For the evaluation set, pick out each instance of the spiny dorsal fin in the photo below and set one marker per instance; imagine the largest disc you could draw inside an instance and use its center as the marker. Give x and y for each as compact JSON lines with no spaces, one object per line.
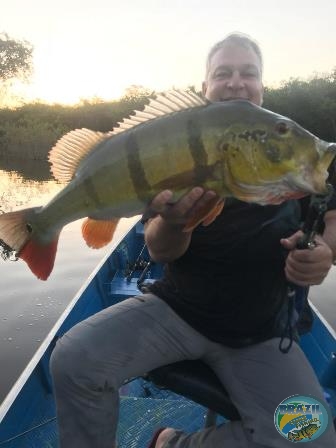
{"x":69,"y":150}
{"x":165,"y":103}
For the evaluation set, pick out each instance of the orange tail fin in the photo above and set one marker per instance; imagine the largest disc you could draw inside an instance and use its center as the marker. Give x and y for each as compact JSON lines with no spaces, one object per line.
{"x":17,"y":235}
{"x":98,"y":233}
{"x":40,"y":258}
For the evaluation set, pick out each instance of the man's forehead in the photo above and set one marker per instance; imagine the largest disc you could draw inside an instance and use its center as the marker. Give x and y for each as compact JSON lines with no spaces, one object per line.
{"x":229,"y":66}
{"x":234,"y":55}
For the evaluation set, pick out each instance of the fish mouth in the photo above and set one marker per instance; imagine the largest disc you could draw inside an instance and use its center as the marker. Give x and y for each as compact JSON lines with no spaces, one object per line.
{"x":331,"y":149}
{"x":326,"y":151}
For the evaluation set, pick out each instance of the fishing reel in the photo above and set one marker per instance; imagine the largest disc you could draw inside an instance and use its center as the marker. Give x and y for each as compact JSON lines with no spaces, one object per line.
{"x":314,"y":220}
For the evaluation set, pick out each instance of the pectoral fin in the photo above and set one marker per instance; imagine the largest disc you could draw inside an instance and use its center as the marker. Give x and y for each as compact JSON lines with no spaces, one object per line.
{"x":205,"y":215}
{"x":213,"y":213}
{"x":98,"y":233}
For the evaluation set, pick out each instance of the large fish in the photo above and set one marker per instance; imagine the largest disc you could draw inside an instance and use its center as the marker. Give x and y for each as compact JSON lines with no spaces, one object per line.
{"x":179,"y":141}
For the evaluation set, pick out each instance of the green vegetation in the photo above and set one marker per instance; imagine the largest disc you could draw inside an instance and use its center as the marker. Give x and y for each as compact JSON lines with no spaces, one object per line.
{"x":311,"y":103}
{"x":15,"y":58}
{"x":31,"y":130}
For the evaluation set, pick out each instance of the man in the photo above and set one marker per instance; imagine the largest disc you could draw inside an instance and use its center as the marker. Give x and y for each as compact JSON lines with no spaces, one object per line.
{"x":222,"y":299}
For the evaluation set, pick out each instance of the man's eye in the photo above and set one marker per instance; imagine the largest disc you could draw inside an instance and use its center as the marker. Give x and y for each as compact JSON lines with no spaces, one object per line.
{"x":250,"y":74}
{"x":222,"y":75}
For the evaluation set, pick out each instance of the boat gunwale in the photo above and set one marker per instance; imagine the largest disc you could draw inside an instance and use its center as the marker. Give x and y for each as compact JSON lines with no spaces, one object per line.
{"x":325,"y":323}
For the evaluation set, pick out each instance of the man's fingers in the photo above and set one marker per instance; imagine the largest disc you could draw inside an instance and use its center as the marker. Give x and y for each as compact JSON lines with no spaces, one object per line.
{"x":189,"y":205}
{"x":201,"y":202}
{"x":160,"y":201}
{"x":291,"y":242}
{"x":304,"y":279}
{"x":188,"y":201}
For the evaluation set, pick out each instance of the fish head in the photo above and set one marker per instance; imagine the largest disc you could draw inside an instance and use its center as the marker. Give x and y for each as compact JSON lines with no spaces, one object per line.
{"x":294,"y":161}
{"x":269,"y":158}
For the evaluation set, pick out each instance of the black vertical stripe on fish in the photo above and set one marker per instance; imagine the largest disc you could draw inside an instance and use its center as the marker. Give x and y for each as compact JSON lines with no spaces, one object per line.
{"x":136,"y":169}
{"x":91,"y":191}
{"x":197,"y":151}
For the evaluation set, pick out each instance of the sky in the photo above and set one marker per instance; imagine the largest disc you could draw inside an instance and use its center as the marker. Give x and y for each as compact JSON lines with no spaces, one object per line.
{"x":98,"y":48}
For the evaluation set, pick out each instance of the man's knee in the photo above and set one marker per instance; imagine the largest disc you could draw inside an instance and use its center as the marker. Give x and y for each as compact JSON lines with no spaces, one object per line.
{"x":65,"y":362}
{"x":73,"y":368}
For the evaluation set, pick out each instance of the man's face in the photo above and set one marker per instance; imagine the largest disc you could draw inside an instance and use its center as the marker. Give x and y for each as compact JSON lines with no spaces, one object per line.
{"x":234,"y":73}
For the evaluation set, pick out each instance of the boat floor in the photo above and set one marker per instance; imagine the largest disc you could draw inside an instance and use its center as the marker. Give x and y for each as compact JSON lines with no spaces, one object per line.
{"x":139,"y":419}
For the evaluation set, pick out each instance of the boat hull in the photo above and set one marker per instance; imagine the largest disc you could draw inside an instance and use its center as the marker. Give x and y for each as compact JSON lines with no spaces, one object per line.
{"x":27,"y":414}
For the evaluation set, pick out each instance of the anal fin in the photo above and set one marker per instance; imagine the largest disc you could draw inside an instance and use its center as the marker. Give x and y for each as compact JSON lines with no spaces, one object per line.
{"x":98,"y":233}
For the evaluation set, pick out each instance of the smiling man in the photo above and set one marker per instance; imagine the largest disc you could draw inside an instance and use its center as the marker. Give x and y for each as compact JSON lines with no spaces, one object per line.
{"x":223,"y":299}
{"x":234,"y":72}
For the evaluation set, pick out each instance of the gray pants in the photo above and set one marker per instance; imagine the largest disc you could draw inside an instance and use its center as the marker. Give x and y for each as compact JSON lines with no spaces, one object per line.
{"x":93,"y":359}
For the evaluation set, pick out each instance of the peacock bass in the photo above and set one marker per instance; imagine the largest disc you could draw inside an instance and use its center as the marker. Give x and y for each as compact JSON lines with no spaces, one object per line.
{"x":178,"y":141}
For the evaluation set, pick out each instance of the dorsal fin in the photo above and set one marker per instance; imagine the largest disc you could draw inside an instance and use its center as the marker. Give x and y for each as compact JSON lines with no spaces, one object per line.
{"x":69,"y":150}
{"x":164,"y":104}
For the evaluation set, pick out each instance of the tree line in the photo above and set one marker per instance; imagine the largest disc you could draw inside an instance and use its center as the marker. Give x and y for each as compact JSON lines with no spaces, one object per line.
{"x":29,"y":131}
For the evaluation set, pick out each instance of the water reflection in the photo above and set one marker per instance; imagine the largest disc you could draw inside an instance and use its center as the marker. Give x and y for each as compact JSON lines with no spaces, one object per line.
{"x":19,"y":192}
{"x":29,"y":307}
{"x":29,"y":169}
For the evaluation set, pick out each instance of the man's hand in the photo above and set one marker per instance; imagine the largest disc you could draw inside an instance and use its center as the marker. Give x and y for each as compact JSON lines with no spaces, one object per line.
{"x":165,"y":233}
{"x":307,"y":267}
{"x":180,"y":212}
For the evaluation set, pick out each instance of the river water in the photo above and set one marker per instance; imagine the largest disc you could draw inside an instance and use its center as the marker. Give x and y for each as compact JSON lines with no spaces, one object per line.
{"x":30,"y":307}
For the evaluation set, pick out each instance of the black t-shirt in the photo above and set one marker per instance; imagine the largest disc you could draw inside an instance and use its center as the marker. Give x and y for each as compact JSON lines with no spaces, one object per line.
{"x":230,"y":283}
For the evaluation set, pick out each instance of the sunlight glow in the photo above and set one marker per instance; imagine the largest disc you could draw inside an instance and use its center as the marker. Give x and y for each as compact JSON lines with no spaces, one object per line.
{"x":84,"y":50}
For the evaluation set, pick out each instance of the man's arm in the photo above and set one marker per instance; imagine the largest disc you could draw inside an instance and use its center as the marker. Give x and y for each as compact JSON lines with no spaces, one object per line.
{"x":164,"y":234}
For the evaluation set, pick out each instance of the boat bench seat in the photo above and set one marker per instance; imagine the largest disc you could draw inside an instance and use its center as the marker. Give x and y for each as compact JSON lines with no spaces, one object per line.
{"x":196,"y":381}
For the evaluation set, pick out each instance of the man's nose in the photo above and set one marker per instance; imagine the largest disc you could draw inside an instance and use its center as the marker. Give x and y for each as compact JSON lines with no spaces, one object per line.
{"x":235,"y":81}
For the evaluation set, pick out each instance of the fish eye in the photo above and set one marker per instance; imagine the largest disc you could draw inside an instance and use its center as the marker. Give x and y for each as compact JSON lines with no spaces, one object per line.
{"x":282,"y":127}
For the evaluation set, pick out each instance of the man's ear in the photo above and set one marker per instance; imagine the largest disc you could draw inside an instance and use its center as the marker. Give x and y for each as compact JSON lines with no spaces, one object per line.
{"x":204,"y":87}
